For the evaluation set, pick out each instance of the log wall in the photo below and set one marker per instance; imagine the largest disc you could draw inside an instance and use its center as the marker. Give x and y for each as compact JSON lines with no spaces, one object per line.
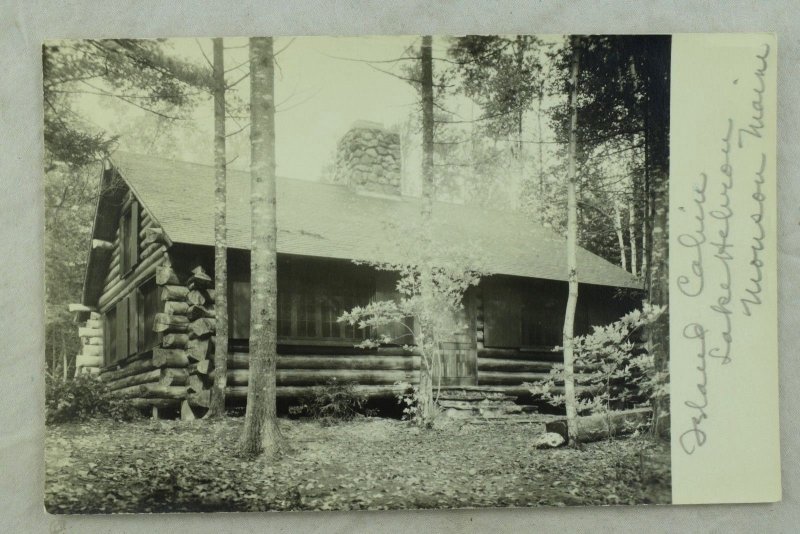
{"x":509,"y":368}
{"x":90,"y":359}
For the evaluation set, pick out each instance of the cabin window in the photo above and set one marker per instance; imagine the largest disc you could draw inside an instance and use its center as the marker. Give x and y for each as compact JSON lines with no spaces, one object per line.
{"x":311,"y":296}
{"x":527,"y":313}
{"x":129,"y":325}
{"x":129,"y":237}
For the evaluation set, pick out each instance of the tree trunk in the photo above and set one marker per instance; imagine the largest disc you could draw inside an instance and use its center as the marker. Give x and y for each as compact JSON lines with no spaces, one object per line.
{"x":261,"y":432}
{"x":572,"y":236}
{"x":425,"y":408}
{"x":632,"y":236}
{"x":657,"y":165}
{"x":620,"y":238}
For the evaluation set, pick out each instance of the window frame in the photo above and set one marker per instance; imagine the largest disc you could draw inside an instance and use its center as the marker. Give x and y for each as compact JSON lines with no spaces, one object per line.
{"x":129,"y":237}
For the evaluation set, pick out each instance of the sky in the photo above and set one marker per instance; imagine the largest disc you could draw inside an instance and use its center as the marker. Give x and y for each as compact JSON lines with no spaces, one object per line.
{"x":318,"y":97}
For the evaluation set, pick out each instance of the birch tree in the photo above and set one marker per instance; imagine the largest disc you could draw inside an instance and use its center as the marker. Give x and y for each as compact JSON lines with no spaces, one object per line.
{"x":261,"y":432}
{"x":217,"y":406}
{"x":572,"y":237}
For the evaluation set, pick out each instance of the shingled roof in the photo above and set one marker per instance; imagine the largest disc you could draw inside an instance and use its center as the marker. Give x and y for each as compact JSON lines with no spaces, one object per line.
{"x":332,"y":221}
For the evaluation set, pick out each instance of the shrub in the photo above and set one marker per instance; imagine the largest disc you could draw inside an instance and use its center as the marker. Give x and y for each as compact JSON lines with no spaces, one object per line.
{"x":82,"y":398}
{"x":335,"y":401}
{"x":611,"y":366}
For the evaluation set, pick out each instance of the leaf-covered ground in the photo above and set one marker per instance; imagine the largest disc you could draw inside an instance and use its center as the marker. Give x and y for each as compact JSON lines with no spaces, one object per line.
{"x":372,"y":463}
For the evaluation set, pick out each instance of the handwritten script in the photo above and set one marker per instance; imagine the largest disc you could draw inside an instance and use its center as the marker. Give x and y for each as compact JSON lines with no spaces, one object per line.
{"x":714,"y":247}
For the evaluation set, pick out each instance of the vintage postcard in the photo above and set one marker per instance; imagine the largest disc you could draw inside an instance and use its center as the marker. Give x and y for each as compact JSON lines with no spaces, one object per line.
{"x":404,"y":272}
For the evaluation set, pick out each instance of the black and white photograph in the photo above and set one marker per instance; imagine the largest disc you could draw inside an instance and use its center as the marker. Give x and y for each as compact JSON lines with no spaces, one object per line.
{"x":356,"y":273}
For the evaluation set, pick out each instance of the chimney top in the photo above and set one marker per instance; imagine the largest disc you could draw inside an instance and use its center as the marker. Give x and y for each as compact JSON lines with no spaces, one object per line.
{"x":368,"y":159}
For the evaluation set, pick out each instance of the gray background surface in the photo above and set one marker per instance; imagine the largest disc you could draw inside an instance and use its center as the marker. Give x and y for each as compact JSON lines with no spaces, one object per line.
{"x":25,"y":24}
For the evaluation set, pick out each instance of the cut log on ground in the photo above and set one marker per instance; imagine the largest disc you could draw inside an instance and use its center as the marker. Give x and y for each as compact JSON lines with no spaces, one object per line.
{"x":311,"y":377}
{"x":170,"y":323}
{"x":601,"y":426}
{"x":513,"y":366}
{"x":388,"y":391}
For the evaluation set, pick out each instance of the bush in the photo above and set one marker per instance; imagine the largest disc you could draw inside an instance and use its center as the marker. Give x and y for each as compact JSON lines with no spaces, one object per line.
{"x":81,"y":398}
{"x":333,"y":401}
{"x":615,"y":369}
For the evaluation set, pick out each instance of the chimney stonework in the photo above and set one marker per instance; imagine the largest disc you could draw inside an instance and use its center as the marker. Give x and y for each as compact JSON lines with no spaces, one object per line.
{"x":368,"y":159}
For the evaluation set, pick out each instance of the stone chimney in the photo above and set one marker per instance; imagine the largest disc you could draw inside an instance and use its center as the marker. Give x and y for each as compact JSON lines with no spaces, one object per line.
{"x":368,"y":159}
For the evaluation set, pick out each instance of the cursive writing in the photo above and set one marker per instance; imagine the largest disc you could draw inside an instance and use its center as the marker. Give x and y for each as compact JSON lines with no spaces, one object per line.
{"x":696,"y":436}
{"x":691,"y":287}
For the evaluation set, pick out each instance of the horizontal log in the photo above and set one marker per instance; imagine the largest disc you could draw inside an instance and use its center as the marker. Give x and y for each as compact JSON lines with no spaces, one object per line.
{"x":510,"y":379}
{"x":170,"y":292}
{"x":173,"y":377}
{"x":77,"y":307}
{"x":147,"y":377}
{"x":85,"y":360}
{"x":162,"y":392}
{"x":238,"y":377}
{"x":140,"y":273}
{"x":130,"y":391}
{"x":164,"y":322}
{"x":166,"y":276}
{"x":601,"y":426}
{"x":310,"y":377}
{"x":201,"y":328}
{"x":92,"y":350}
{"x":90,"y":332}
{"x":175,"y":341}
{"x":388,"y":391}
{"x":101,"y":244}
{"x":169,"y":357}
{"x":112,"y":276}
{"x":133,"y":368}
{"x":143,"y":404}
{"x":198,"y":312}
{"x":516,"y":354}
{"x":368,"y":362}
{"x":174,"y":307}
{"x":96,"y":341}
{"x":513,"y":366}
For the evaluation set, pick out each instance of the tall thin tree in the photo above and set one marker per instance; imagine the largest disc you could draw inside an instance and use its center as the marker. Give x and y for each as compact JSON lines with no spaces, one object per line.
{"x":217,"y":406}
{"x":426,"y":274}
{"x":261,"y":432}
{"x":572,"y":237}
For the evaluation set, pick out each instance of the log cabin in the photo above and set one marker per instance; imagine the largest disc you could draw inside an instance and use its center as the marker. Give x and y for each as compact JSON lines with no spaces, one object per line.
{"x":147,"y":314}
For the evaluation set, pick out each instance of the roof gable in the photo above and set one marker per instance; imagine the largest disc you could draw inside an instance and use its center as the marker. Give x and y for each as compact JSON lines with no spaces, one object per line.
{"x":326,"y":220}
